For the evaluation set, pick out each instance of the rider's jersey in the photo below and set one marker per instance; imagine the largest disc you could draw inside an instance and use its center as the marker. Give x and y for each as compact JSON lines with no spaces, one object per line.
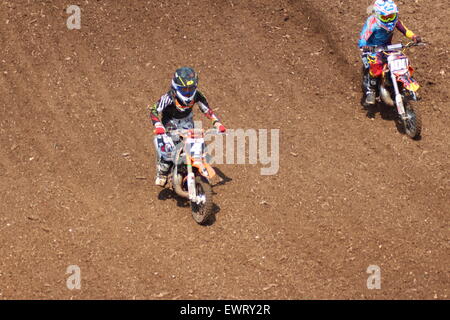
{"x":167,"y":107}
{"x":373,"y":34}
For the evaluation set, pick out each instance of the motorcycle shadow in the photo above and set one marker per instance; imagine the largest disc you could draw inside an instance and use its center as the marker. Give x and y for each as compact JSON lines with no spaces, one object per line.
{"x":212,"y":219}
{"x":223,"y":178}
{"x":386,"y":112}
{"x":168,"y":194}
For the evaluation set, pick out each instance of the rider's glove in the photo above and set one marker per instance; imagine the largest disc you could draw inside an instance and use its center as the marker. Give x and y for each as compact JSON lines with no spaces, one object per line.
{"x":159,"y":129}
{"x":417,"y":39}
{"x":220,"y":127}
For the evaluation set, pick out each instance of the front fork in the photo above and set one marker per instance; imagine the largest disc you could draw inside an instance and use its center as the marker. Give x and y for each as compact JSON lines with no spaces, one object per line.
{"x":191,"y":184}
{"x":398,"y":98}
{"x":191,"y":194}
{"x":191,"y":181}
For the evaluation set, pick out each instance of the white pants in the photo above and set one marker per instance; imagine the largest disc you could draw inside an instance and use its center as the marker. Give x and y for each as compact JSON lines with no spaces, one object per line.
{"x":165,"y":144}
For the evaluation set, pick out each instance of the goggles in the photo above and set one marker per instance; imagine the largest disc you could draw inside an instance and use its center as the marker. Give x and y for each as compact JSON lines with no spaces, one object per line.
{"x":388,"y":18}
{"x":187,"y":91}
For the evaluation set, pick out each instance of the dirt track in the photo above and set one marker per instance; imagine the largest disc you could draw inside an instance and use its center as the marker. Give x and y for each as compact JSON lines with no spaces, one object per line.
{"x":351,"y":192}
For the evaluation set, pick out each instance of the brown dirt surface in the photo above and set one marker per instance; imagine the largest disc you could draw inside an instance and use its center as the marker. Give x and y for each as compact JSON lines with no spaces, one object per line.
{"x":351,"y":191}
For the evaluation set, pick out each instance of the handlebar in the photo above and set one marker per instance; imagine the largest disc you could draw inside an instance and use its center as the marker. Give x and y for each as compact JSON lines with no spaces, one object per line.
{"x":187,"y":132}
{"x":393,"y":47}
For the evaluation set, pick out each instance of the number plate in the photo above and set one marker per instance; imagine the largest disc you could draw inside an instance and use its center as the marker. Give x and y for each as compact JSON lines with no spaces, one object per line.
{"x":196,"y":147}
{"x":398,"y":65}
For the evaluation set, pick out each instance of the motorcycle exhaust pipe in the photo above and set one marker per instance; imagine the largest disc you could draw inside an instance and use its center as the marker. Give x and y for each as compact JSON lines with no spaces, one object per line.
{"x":177,"y":179}
{"x":386,"y":96}
{"x":177,"y":186}
{"x":177,"y":183}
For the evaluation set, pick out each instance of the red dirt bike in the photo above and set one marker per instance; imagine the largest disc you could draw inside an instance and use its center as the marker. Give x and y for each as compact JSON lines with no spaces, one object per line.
{"x":398,"y":88}
{"x":191,"y":174}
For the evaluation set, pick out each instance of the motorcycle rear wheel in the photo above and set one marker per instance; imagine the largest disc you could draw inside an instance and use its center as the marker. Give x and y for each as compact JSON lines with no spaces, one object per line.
{"x":202,"y":212}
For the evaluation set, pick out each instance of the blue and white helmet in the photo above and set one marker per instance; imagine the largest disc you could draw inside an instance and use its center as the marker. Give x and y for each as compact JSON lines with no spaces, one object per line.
{"x":185,"y":82}
{"x":386,"y":12}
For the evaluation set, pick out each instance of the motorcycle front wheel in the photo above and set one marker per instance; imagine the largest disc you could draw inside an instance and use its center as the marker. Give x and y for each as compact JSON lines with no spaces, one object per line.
{"x":202,"y":209}
{"x":413,"y":123}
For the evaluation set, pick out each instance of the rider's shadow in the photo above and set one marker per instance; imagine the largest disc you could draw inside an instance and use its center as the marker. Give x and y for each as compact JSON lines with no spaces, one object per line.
{"x":386,"y":112}
{"x":389,"y":113}
{"x":166,"y":194}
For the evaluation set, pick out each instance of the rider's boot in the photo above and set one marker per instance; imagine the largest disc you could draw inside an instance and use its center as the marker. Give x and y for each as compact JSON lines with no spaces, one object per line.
{"x":371,"y":89}
{"x":162,"y":171}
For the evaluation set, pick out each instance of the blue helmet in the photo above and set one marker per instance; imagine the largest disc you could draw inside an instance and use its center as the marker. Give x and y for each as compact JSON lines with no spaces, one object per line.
{"x":386,"y":12}
{"x":184,"y":82}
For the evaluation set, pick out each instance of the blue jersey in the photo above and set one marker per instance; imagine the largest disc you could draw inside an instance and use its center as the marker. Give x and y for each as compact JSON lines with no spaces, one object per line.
{"x":373,"y":34}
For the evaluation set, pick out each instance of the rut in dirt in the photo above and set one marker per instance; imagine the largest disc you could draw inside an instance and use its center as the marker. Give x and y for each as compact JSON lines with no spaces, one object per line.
{"x":77,"y":164}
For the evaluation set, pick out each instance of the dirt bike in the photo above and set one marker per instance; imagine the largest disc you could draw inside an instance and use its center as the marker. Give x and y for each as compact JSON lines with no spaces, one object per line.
{"x":397,"y":86}
{"x":190,"y":175}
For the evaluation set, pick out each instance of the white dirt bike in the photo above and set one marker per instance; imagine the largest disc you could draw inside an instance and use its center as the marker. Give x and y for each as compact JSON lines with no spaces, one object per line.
{"x":190,"y":175}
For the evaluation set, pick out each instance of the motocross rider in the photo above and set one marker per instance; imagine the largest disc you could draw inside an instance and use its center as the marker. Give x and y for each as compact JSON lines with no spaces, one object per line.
{"x":176,"y":108}
{"x":378,"y":31}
